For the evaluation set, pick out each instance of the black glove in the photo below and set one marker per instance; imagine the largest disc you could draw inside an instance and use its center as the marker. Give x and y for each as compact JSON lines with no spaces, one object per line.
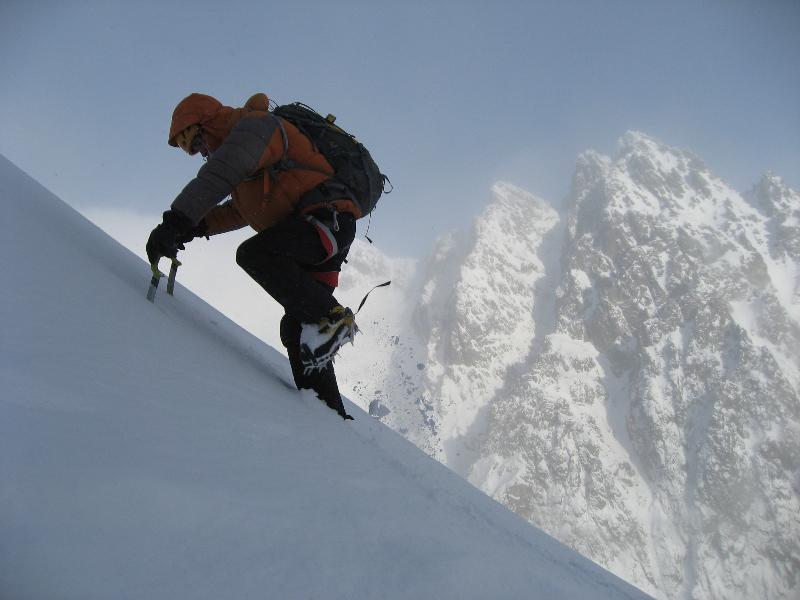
{"x":166,"y":238}
{"x":199,"y":230}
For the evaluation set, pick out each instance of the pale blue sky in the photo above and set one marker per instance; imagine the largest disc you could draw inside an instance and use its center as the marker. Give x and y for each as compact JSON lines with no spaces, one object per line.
{"x":449,"y":96}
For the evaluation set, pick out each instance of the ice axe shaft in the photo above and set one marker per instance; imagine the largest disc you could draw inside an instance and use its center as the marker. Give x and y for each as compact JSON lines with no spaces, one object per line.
{"x":173,"y":272}
{"x":157,"y":275}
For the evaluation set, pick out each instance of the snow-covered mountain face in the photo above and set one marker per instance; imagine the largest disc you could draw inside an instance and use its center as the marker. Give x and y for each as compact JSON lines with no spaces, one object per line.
{"x":625,"y":376}
{"x":455,"y":326}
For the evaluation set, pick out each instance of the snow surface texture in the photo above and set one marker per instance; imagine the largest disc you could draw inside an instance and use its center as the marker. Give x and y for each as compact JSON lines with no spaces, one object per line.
{"x":624,"y":376}
{"x":159,"y":451}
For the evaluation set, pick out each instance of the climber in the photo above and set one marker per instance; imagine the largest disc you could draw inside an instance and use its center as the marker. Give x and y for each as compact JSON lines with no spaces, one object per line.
{"x":284,"y":188}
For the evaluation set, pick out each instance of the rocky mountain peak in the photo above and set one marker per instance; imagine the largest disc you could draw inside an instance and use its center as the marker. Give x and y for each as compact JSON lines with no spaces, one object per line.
{"x":508,"y":194}
{"x":625,"y":375}
{"x":675,"y":325}
{"x":781,"y":205}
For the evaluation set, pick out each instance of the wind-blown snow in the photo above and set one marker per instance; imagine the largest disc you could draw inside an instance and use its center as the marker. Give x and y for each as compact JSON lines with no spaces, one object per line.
{"x":159,"y":451}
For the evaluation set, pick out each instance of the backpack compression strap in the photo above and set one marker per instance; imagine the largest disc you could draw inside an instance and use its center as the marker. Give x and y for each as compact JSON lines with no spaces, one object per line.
{"x":326,"y":237}
{"x":331,"y":246}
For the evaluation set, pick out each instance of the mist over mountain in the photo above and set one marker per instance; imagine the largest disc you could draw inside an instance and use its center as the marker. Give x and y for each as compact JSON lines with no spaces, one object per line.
{"x":624,"y":374}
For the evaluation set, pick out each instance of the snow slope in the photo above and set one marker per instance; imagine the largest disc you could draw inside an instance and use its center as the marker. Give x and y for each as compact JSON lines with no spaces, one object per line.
{"x":158,"y":451}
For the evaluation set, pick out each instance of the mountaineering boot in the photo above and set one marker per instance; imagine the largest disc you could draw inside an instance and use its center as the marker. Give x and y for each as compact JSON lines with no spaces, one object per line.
{"x":319,"y":342}
{"x":322,"y":381}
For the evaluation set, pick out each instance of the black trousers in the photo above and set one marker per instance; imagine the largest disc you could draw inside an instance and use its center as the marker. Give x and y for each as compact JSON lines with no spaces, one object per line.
{"x":281,"y":260}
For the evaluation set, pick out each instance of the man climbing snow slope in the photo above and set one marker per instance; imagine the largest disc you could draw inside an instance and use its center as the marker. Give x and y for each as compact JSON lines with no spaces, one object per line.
{"x":303,"y":209}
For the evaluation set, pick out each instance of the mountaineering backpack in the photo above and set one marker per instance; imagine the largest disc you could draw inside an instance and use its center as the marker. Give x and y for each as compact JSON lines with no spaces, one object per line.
{"x":356,"y":174}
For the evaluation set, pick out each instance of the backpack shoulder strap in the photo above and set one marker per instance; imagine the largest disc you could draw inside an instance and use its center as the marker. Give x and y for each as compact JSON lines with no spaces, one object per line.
{"x":286,"y":163}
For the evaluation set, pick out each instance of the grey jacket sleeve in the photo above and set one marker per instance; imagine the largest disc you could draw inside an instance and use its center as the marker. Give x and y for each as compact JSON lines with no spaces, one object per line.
{"x":233,"y":162}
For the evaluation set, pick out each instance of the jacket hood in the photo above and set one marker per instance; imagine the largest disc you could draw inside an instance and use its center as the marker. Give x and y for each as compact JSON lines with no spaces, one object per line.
{"x":215,"y":118}
{"x":199,"y":109}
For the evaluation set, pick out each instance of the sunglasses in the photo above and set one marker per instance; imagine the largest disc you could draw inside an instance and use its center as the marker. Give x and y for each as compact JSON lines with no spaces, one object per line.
{"x":190,"y":140}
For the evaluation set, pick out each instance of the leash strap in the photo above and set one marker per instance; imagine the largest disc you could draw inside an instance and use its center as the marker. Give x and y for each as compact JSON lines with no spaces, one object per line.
{"x":369,"y":292}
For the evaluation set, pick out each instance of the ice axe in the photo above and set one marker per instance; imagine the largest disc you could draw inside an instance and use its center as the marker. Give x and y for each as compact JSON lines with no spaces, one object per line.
{"x":156,"y":278}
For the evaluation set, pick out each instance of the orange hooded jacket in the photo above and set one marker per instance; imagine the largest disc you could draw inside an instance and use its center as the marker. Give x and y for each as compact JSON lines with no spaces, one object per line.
{"x":260,"y":200}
